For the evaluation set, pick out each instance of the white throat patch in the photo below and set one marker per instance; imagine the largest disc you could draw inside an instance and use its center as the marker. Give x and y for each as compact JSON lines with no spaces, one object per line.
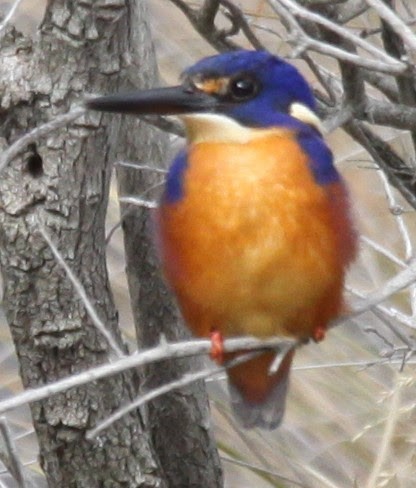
{"x":220,"y":128}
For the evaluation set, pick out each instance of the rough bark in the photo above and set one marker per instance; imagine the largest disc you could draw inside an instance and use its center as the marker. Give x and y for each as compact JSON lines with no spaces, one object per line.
{"x":179,"y":421}
{"x":62,"y":181}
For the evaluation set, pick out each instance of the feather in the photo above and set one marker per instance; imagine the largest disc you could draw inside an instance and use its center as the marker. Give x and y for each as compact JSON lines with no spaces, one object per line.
{"x":263,"y":410}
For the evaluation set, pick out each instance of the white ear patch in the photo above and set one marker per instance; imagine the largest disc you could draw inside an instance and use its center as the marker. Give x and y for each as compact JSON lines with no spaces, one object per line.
{"x":306,"y":115}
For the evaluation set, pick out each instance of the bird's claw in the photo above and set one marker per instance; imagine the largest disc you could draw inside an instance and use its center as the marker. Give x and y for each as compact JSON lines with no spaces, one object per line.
{"x":217,"y":346}
{"x":319,"y":333}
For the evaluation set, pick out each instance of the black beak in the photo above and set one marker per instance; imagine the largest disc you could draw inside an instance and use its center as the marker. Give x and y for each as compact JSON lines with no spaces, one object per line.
{"x":160,"y":101}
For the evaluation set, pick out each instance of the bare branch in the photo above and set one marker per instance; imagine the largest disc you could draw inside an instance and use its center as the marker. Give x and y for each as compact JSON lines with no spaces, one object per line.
{"x":386,"y":441}
{"x":401,"y":226}
{"x":139,"y":202}
{"x":13,"y":462}
{"x":338,"y":119}
{"x":217,"y":39}
{"x":393,"y":45}
{"x":139,"y":166}
{"x":382,"y":250}
{"x":399,"y":116}
{"x":236,"y":16}
{"x":398,"y":172}
{"x":384,"y":316}
{"x":350,"y":10}
{"x":318,"y":3}
{"x":10,"y":14}
{"x":209,"y":11}
{"x":286,"y":9}
{"x":397,"y":283}
{"x":395,"y":22}
{"x":203,"y":20}
{"x":99,"y":324}
{"x":384,"y":84}
{"x":350,"y":364}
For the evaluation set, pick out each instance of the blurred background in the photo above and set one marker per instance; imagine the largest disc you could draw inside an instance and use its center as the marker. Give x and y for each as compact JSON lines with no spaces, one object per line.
{"x":351,"y":406}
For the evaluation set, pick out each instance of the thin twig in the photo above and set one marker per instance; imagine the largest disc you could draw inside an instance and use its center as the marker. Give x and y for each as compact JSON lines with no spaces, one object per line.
{"x":325,"y":78}
{"x":399,"y":116}
{"x":387,"y":439}
{"x":117,"y":226}
{"x":350,"y":364}
{"x":338,"y":119}
{"x":395,"y":314}
{"x":304,"y":42}
{"x":10,"y":14}
{"x":209,"y":11}
{"x":99,"y":324}
{"x":396,"y":23}
{"x":347,"y":34}
{"x":246,"y":440}
{"x":396,"y":284}
{"x":350,"y":10}
{"x":399,"y":174}
{"x":391,"y":200}
{"x":14,"y":464}
{"x":396,"y":331}
{"x":41,"y":131}
{"x":139,"y":166}
{"x":382,"y":250}
{"x":217,"y":38}
{"x":173,"y":385}
{"x":384,"y":84}
{"x":236,"y":15}
{"x":140,"y":202}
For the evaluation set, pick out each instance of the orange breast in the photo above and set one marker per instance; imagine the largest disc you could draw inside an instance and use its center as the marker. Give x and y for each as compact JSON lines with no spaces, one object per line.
{"x":254,"y":245}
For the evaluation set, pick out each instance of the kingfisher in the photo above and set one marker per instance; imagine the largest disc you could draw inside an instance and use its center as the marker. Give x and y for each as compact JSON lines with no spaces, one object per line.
{"x":254,"y":223}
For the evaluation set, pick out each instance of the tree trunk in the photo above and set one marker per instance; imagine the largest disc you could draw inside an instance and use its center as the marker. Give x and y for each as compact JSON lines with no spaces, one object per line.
{"x":179,"y":421}
{"x":62,"y":182}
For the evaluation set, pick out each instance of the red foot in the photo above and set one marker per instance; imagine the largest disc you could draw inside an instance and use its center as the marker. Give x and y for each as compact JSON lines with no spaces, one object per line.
{"x":319,"y":333}
{"x":217,"y":346}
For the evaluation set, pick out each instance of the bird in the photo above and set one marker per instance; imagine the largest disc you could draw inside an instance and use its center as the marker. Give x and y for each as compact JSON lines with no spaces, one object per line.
{"x":254,"y":226}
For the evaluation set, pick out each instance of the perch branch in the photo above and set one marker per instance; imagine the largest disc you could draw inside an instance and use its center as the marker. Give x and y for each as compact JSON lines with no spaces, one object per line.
{"x":158,"y":353}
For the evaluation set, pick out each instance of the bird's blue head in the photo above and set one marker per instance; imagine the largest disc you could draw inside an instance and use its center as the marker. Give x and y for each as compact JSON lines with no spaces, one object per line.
{"x":255,"y":88}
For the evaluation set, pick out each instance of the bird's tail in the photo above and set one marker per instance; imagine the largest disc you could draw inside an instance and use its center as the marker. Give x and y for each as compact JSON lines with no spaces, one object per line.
{"x":259,"y":398}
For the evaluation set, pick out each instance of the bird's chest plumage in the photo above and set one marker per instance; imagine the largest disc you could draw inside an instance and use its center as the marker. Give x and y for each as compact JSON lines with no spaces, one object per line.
{"x":251,"y":239}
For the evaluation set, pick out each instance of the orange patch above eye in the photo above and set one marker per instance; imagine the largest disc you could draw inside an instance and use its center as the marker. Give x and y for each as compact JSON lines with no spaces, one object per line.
{"x":213,"y":85}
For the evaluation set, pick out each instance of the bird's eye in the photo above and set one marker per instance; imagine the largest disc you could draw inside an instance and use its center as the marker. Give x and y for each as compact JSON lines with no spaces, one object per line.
{"x":242,"y":88}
